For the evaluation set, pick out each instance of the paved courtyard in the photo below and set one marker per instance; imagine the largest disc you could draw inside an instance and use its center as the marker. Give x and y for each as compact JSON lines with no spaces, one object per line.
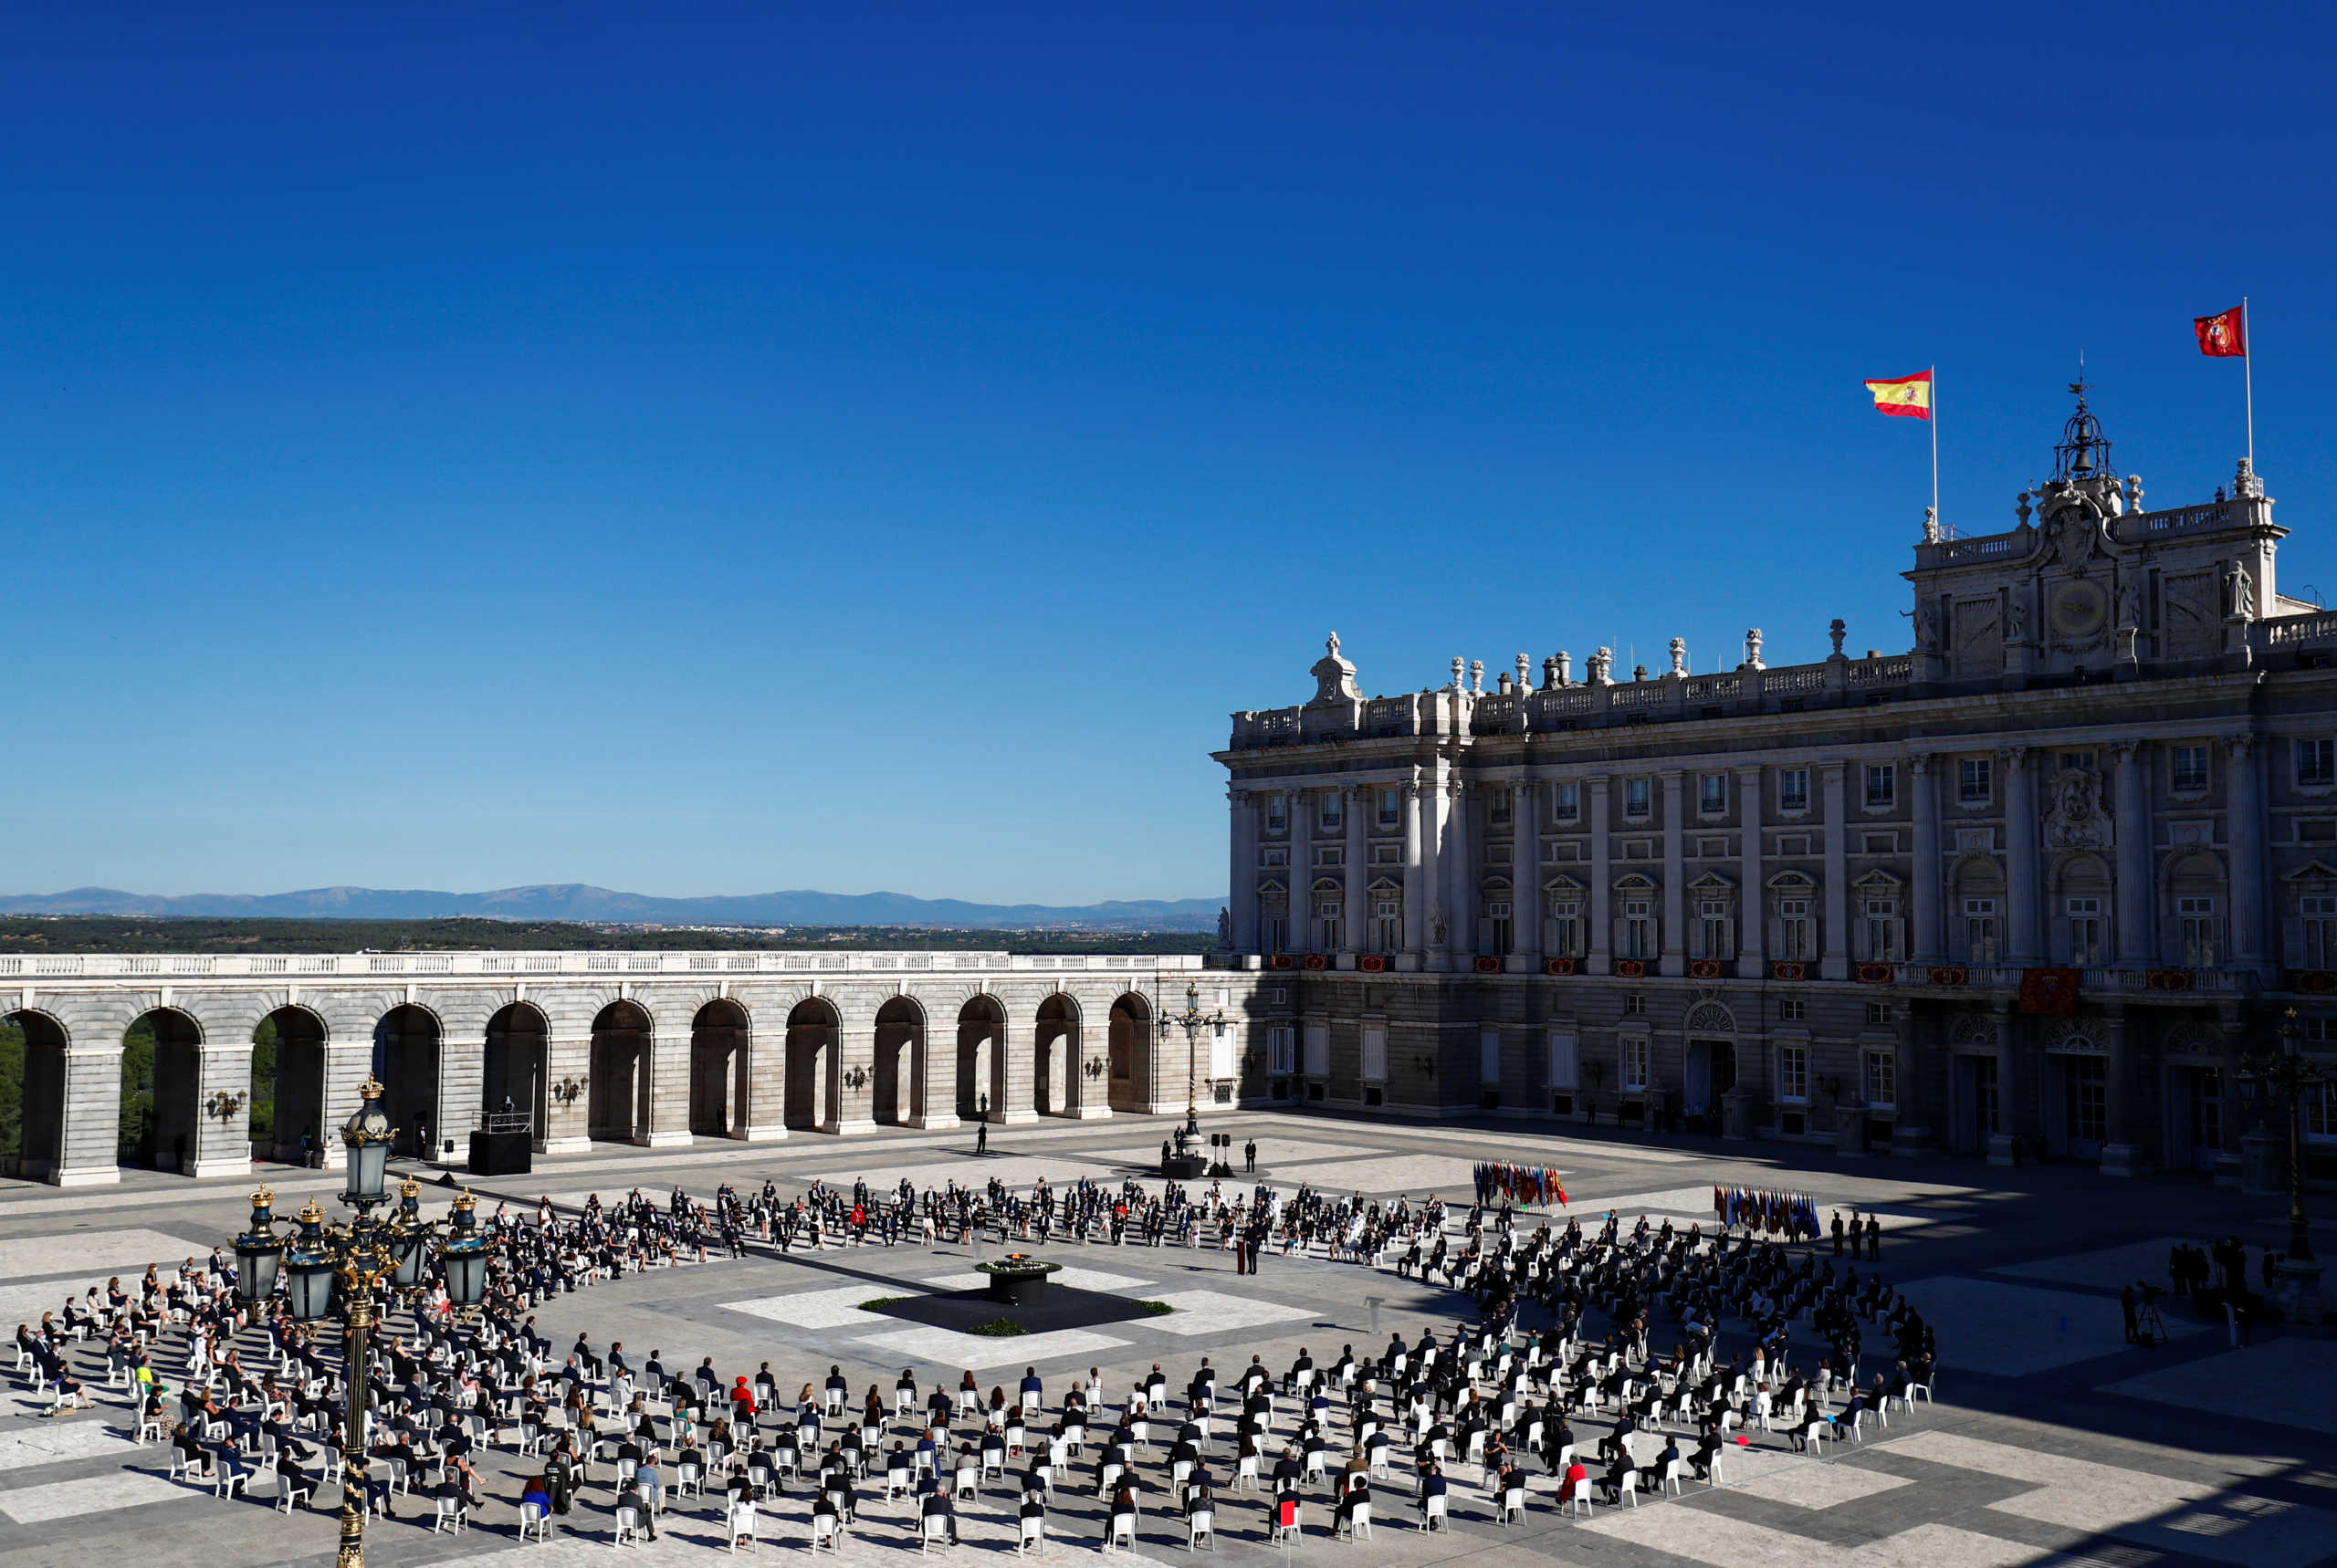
{"x":2050,"y":1439}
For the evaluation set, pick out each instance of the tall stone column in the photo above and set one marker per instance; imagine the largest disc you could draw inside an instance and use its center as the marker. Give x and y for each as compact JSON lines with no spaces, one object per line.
{"x":91,"y":1148}
{"x":1911,"y":1131}
{"x":668,"y":1120}
{"x":2136,"y":939}
{"x":2009,"y":1095}
{"x":1675,"y":895}
{"x":934,"y":1058}
{"x":2021,"y":879}
{"x":2245,"y":827}
{"x":2120,"y":1153}
{"x":848,"y":1107}
{"x":1416,"y":873}
{"x":462,"y":1088}
{"x":1602,"y":877}
{"x":1302,"y":872}
{"x":1460,"y":883}
{"x":1834,"y":956}
{"x":568,"y":1059}
{"x":1017,"y":1049}
{"x":222,"y":1147}
{"x":1434,"y":862}
{"x":1353,"y":931}
{"x":1924,"y":778}
{"x":765,"y":1114}
{"x":1751,"y":932}
{"x":1526,"y":874}
{"x":1243,"y":868}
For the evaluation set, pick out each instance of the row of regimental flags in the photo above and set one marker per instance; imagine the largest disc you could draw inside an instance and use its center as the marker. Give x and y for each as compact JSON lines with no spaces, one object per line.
{"x":2223,"y":336}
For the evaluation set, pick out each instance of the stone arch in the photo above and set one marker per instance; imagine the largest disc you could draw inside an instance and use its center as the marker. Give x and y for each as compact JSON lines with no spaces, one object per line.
{"x":814,"y":1034}
{"x":981,"y":1059}
{"x":289,"y":1059}
{"x":32,"y":1132}
{"x":617,"y":1107}
{"x":406,"y":1045}
{"x":1055,"y":1056}
{"x":722,"y":1047}
{"x":162,"y":1077}
{"x":1711,"y":1017}
{"x":897,"y":1093}
{"x":1974,"y":1029}
{"x":516,"y":1073}
{"x":1131,"y":1053}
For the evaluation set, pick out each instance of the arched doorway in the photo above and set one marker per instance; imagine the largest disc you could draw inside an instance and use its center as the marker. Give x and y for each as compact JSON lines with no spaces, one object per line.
{"x":513,"y":1078}
{"x":899,"y":1081}
{"x":288,"y":1061}
{"x":162,"y":1067}
{"x":405,"y":1064}
{"x":982,"y":1051}
{"x":1131,"y":1053}
{"x":720,"y":1039}
{"x":812,"y":1045}
{"x":616,"y":1108}
{"x":1054,"y":1063}
{"x":32,"y":1130}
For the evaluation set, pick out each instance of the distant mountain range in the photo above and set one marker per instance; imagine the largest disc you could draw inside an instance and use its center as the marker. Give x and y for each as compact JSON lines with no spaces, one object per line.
{"x":600,"y":906}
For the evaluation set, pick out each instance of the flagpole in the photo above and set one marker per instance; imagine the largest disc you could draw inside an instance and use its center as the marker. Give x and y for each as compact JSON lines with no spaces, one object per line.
{"x":1934,"y":421}
{"x":2247,"y":375}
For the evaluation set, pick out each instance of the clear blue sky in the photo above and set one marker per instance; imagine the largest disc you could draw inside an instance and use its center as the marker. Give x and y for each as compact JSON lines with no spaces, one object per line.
{"x":703,"y":449}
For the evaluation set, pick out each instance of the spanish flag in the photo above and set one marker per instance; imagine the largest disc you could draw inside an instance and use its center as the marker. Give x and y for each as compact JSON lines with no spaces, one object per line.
{"x":1909,"y":397}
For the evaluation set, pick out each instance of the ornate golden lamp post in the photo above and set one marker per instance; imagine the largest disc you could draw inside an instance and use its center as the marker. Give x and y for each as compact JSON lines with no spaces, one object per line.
{"x":332,"y":1271}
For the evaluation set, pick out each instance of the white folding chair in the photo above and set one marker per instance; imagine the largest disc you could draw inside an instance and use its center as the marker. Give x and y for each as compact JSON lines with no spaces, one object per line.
{"x":628,"y":1526}
{"x":1201,"y":1529}
{"x":1631,"y":1486}
{"x":535,"y":1523}
{"x":1121,"y":1532}
{"x":742,"y":1526}
{"x":932,"y":1530}
{"x":824,"y":1533}
{"x":452,"y":1516}
{"x":1437,"y":1512}
{"x":1034,"y":1537}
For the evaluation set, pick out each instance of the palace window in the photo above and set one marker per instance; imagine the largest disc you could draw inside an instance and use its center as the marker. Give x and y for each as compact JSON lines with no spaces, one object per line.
{"x":1980,"y":930}
{"x":1634,"y":1064}
{"x":1565,"y":802}
{"x":1878,"y":1012}
{"x":2085,"y":931}
{"x":1639,"y":928}
{"x":1273,"y":931}
{"x":1387,"y":925}
{"x":1793,"y":1073}
{"x":1881,"y":783}
{"x":1332,"y":813}
{"x":1797,"y":941}
{"x":1637,"y":802}
{"x":1274,"y":854}
{"x":1635,"y":1004}
{"x":1713,"y":937}
{"x":1387,"y":854}
{"x":1974,"y":780}
{"x":2195,"y":917}
{"x":2085,"y":1099}
{"x":1282,"y":1049}
{"x":1712,"y":794}
{"x":2191,"y":770}
{"x":2078,"y":761}
{"x":1331,"y":856}
{"x":2319,"y":1103}
{"x":1497,"y":927}
{"x":1565,"y":931}
{"x":1793,"y":790}
{"x":1326,"y":924}
{"x":1882,"y":928}
{"x":1881,"y":1079}
{"x":2319,"y":913}
{"x":1497,"y":805}
{"x":1277,"y":813}
{"x":2316,"y":764}
{"x":1391,"y":806}
{"x":1792,"y":1009}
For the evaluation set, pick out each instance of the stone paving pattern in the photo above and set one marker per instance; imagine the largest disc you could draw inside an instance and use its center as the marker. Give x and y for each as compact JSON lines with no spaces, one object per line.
{"x":2050,"y":1442}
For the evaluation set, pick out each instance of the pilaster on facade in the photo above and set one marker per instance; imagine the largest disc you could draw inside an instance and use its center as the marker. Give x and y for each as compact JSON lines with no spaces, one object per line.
{"x":1750,"y":928}
{"x":1416,"y":874}
{"x":1928,"y":914}
{"x":668,"y":1124}
{"x":1526,"y":874}
{"x":2021,"y":883}
{"x":2136,"y":834}
{"x":222,"y":1146}
{"x":1354,"y":926}
{"x":1834,"y":960}
{"x":1675,"y":907}
{"x":1599,"y":788}
{"x":2244,"y":803}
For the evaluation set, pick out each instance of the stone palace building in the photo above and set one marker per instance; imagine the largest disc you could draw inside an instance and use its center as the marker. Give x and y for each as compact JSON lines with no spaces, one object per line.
{"x":2045,"y":877}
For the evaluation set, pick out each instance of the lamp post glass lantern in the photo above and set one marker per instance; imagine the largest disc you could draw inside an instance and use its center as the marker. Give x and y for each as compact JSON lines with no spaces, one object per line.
{"x":2290,"y":1077}
{"x":1191,"y":1020}
{"x":335,"y":1269}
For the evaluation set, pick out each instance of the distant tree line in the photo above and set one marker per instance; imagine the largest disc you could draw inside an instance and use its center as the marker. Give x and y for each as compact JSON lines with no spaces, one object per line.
{"x":119,"y":934}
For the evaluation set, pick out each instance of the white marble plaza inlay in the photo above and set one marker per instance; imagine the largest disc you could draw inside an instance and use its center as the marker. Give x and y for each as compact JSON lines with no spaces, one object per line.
{"x":821,"y":1309}
{"x":2109,"y":1269}
{"x":2291,"y":1381}
{"x":91,"y":1494}
{"x":1710,"y":1536}
{"x":51,"y":1442}
{"x":94,"y":1255}
{"x":1413,"y":1174}
{"x":1195,"y":1313}
{"x":2162,"y":1511}
{"x":1801,"y":1484}
{"x":946,"y":1348}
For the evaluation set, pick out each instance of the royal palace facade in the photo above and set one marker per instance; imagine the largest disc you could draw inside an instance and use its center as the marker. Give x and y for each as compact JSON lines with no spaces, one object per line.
{"x":2035,"y":885}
